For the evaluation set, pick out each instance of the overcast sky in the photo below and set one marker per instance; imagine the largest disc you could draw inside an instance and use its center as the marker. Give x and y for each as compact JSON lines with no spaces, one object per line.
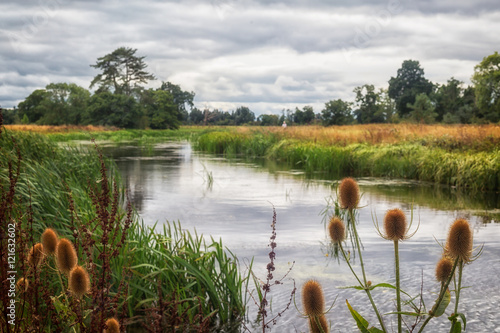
{"x":267,"y":55}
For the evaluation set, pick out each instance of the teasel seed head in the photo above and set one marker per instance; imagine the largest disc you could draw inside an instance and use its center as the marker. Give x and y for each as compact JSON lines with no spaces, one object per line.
{"x":459,"y":244}
{"x":312,"y":298}
{"x":322,"y":327}
{"x":395,"y":225}
{"x":336,"y":228}
{"x":35,"y":256}
{"x":113,"y":326}
{"x":49,"y":241}
{"x":22,"y":285}
{"x":65,"y":255}
{"x":79,"y":282}
{"x":349,"y":193}
{"x":443,"y":269}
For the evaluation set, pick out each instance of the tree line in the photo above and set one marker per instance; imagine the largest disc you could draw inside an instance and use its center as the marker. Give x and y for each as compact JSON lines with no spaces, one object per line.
{"x":120,"y":100}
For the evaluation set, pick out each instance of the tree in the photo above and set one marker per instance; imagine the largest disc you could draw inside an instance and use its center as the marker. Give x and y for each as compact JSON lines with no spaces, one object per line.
{"x":243,"y":115}
{"x":180,"y":98}
{"x":32,"y":106}
{"x":160,"y":108}
{"x":268,"y":120}
{"x":196,"y":116}
{"x":122,"y":72}
{"x":486,"y":79}
{"x":304,"y":116}
{"x":107,"y":109}
{"x":422,"y":110}
{"x":368,"y":108}
{"x":449,"y":98}
{"x":337,"y":112}
{"x":408,"y":83}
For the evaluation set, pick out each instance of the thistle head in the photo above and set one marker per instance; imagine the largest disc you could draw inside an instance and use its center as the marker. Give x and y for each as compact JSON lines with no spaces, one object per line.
{"x":395,"y":225}
{"x":22,"y":285}
{"x":65,"y":255}
{"x":443,"y":269}
{"x":79,"y":282}
{"x":349,"y":193}
{"x":318,"y":324}
{"x":459,"y":243}
{"x":336,"y":229}
{"x":49,"y":241}
{"x":35,"y":256}
{"x":112,"y":326}
{"x":312,"y":298}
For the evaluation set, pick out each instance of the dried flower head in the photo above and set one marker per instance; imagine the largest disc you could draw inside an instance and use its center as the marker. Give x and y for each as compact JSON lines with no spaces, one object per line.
{"x":459,"y":243}
{"x":65,"y":255}
{"x":112,"y":326}
{"x":349,"y":193}
{"x":318,"y":324}
{"x":395,"y":225}
{"x":79,"y":282}
{"x":35,"y":256}
{"x":443,"y":269}
{"x":22,"y":285}
{"x":49,"y":241}
{"x":312,"y":298}
{"x":336,"y":228}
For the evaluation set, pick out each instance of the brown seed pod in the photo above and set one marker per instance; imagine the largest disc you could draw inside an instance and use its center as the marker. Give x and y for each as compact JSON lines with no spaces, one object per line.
{"x":395,"y":224}
{"x":349,"y":193}
{"x":22,"y":285}
{"x":322,"y":327}
{"x":65,"y":255}
{"x":312,"y":298}
{"x":35,"y":256}
{"x":336,"y":228}
{"x":79,"y":282}
{"x":49,"y":241}
{"x":459,"y":243}
{"x":443,"y":269}
{"x":113,"y":326}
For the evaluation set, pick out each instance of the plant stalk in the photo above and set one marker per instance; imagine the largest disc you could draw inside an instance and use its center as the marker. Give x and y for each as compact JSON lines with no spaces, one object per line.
{"x":398,"y":286}
{"x":457,"y":293}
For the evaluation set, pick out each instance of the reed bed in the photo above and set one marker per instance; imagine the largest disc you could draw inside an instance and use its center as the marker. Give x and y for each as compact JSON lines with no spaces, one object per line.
{"x":470,"y":159}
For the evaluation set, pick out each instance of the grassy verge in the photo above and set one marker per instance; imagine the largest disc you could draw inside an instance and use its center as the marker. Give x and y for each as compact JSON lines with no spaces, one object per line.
{"x":162,"y":279}
{"x":473,"y":165}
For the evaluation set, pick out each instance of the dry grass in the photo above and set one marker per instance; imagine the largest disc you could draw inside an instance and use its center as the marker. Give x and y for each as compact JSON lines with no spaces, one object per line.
{"x":59,"y":129}
{"x":462,"y":135}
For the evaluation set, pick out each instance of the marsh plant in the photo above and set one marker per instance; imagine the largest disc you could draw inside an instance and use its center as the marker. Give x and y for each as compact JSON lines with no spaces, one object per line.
{"x":410,"y":313}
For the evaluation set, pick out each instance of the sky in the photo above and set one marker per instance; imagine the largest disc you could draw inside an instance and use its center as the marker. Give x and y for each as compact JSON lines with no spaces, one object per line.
{"x":266,"y":55}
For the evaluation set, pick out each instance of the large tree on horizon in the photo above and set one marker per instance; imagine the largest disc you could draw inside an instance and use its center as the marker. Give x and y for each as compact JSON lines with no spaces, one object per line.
{"x":122,"y":72}
{"x":486,"y":81}
{"x":408,"y":83}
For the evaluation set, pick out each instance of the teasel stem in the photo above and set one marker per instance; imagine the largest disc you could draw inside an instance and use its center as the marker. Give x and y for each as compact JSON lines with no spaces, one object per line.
{"x":365,"y":283}
{"x":441,"y":295}
{"x":398,"y":285}
{"x":457,"y":292}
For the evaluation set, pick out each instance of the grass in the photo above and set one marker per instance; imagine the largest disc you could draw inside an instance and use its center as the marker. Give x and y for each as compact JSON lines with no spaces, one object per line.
{"x":466,"y":157}
{"x":185,"y":282}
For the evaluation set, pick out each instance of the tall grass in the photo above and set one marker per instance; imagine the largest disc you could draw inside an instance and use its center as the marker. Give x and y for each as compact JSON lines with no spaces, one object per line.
{"x":198,"y":285}
{"x":473,"y":168}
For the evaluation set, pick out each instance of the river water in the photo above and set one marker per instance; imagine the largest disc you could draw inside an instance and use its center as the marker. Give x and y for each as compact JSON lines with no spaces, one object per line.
{"x":234,"y":199}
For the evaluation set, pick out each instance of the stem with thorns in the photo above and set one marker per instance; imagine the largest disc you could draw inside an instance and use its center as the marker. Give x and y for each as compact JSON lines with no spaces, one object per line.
{"x":365,"y":284}
{"x":457,"y":292}
{"x":398,"y":286}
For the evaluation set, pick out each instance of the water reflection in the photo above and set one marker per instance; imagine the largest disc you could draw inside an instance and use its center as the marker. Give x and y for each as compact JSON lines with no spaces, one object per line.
{"x":171,"y":182}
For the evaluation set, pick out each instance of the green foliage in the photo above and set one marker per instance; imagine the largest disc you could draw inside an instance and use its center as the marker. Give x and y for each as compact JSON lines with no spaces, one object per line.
{"x":107,"y":109}
{"x":337,"y":112}
{"x":369,"y":110}
{"x":408,"y":83}
{"x":486,"y":81}
{"x":422,"y":110}
{"x":160,"y":109}
{"x":243,"y":115}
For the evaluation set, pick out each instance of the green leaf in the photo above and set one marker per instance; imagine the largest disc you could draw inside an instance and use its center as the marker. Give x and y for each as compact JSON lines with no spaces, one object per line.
{"x":361,"y":322}
{"x":352,"y":287}
{"x":438,"y":309}
{"x":457,"y":327}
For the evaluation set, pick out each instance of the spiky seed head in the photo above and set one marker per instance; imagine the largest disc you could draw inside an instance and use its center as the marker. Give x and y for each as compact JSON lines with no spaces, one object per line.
{"x":322,"y":327}
{"x":349,"y":193}
{"x":395,"y":224}
{"x":312,"y":298}
{"x":336,"y":228}
{"x":35,"y":256}
{"x":79,"y":282}
{"x":113,"y":326}
{"x":65,"y":255}
{"x":459,"y":244}
{"x":22,"y":285}
{"x":49,"y":241}
{"x":443,"y":269}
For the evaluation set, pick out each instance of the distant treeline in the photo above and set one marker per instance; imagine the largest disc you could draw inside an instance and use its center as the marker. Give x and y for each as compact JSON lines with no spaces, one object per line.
{"x":121,"y":101}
